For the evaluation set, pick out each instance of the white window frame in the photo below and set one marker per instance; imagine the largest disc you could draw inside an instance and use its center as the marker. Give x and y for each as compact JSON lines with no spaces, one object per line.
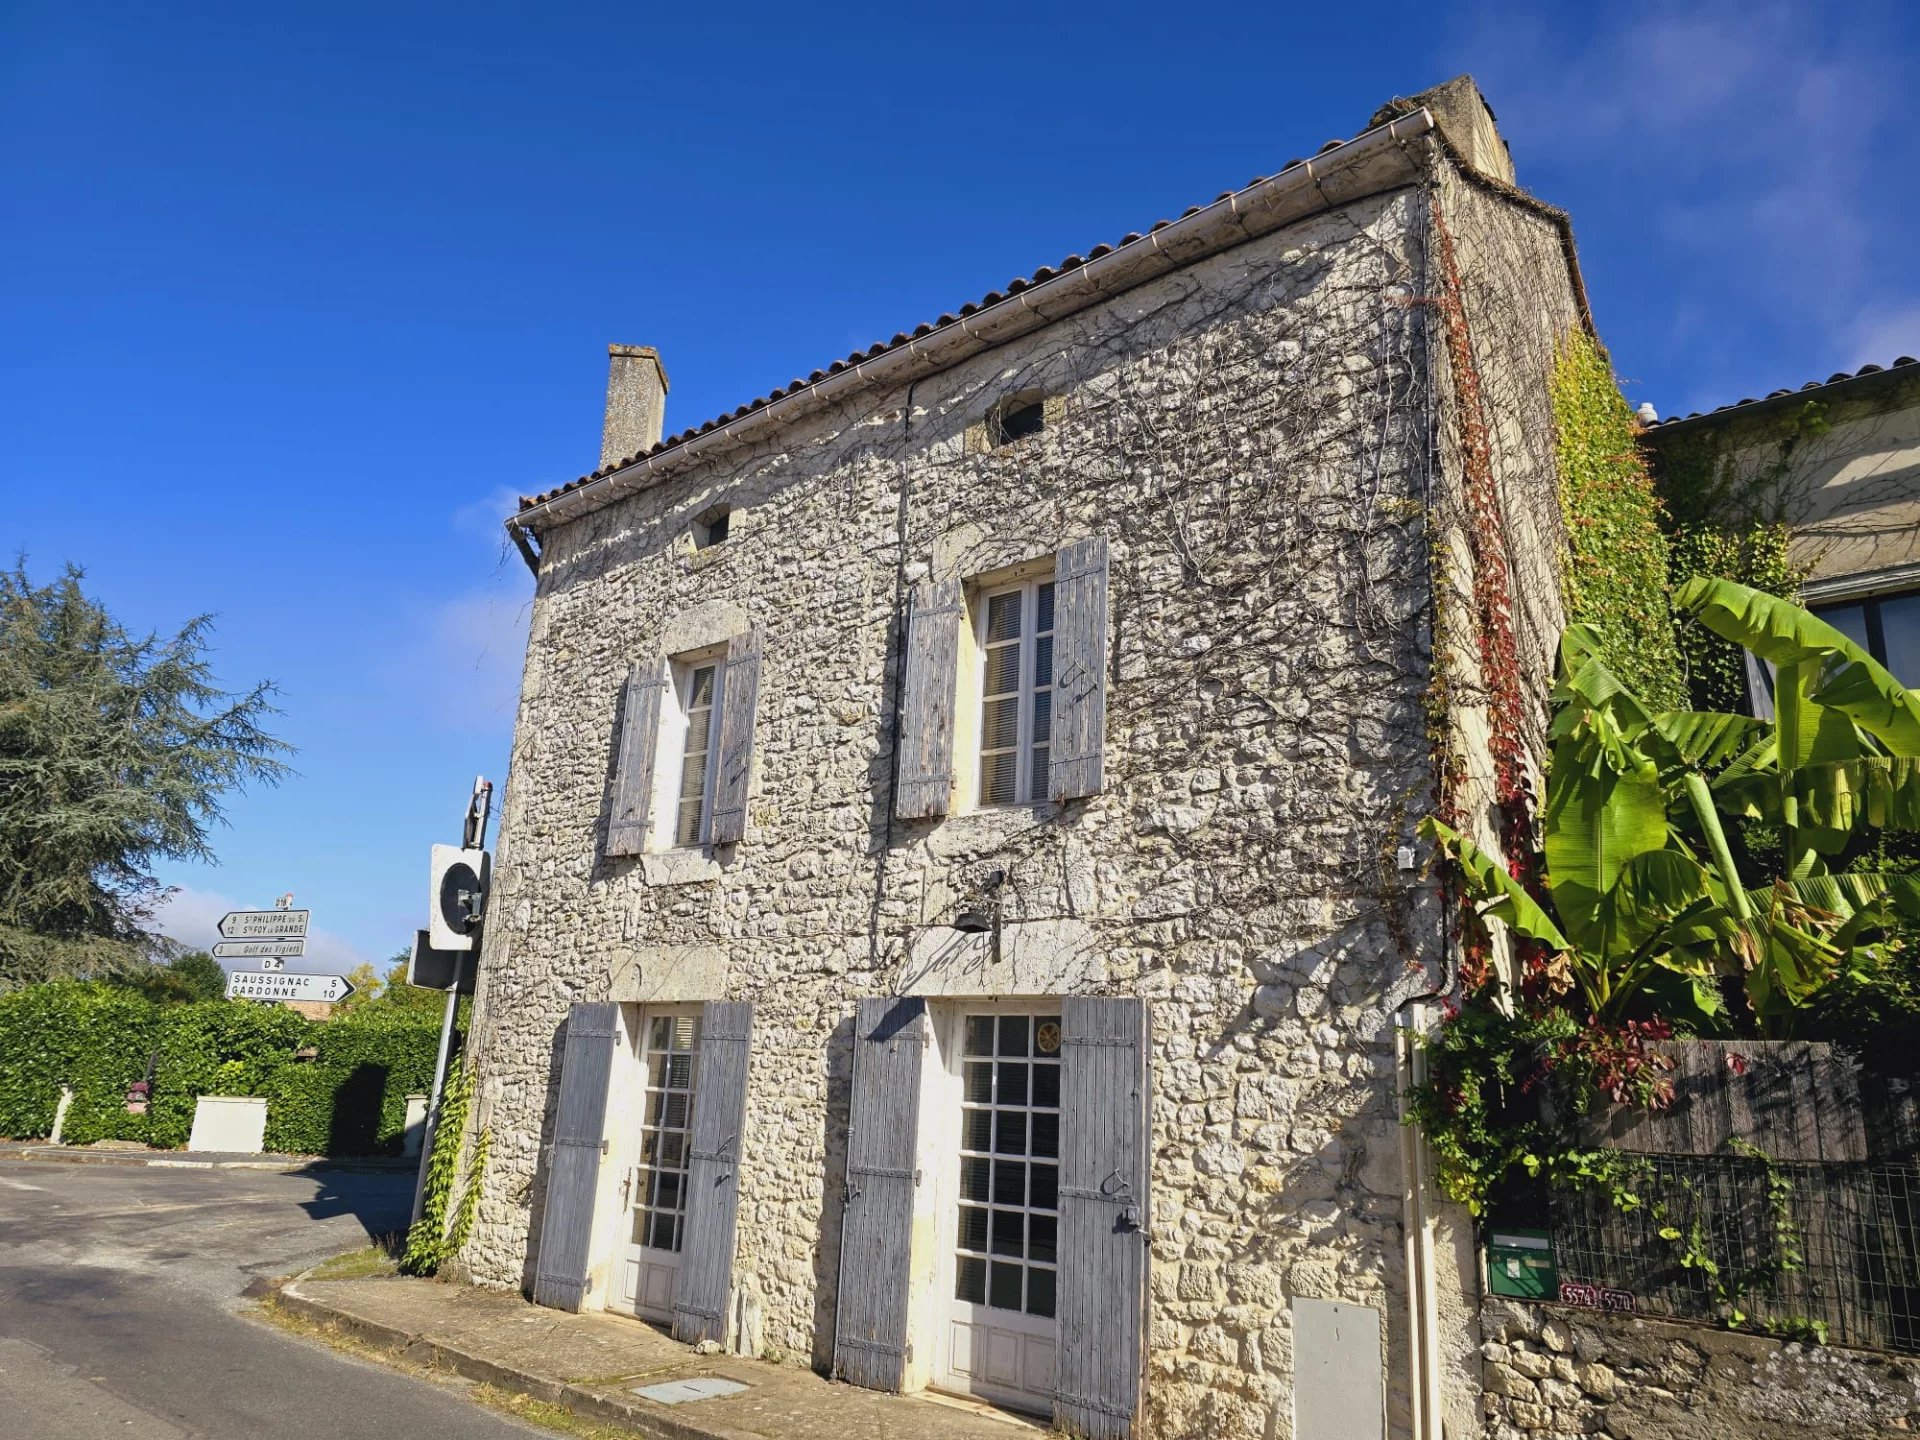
{"x":671,"y":762}
{"x":1024,"y":779}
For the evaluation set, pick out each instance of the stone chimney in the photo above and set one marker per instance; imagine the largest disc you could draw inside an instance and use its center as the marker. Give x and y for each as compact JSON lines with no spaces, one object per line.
{"x":636,"y":403}
{"x":1465,"y":118}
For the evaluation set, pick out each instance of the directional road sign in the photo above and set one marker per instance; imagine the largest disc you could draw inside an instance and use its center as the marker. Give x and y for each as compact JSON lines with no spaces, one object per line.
{"x":263,"y":924}
{"x":254,"y":949}
{"x":265,"y":985}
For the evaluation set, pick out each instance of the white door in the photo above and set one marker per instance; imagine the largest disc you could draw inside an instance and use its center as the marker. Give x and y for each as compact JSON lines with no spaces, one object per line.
{"x":655,"y":1190}
{"x":997,"y":1330}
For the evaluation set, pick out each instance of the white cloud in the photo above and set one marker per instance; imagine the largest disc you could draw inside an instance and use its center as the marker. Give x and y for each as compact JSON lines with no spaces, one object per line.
{"x":475,"y":644}
{"x":193,"y":918}
{"x":1881,"y":336}
{"x":486,"y":517}
{"x":1742,"y":135}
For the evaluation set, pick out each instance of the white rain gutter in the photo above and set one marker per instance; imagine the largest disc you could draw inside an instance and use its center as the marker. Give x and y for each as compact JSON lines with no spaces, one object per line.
{"x":1419,"y":1240}
{"x":1365,"y":165}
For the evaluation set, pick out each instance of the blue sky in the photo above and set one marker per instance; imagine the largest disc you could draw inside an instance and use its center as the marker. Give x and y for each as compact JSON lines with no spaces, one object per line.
{"x":297,"y":297}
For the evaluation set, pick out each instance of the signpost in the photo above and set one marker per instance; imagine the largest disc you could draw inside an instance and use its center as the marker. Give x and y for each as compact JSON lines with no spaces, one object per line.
{"x":254,"y":949}
{"x":263,"y":924}
{"x":467,"y":909}
{"x":282,"y":985}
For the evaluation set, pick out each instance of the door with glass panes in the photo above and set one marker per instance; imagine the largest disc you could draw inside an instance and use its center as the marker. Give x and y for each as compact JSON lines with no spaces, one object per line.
{"x":654,"y":1190}
{"x":997,"y":1328}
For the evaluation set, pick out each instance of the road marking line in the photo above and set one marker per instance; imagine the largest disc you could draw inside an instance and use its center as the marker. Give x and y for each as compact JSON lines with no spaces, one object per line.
{"x":20,"y":1185}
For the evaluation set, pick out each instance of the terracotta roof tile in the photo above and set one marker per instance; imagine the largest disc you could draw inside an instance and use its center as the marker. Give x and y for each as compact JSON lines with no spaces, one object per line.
{"x":1839,"y":377}
{"x":1013,"y":287}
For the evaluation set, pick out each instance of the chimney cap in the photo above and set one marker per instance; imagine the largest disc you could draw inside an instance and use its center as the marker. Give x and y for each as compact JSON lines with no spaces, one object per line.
{"x":639,"y":352}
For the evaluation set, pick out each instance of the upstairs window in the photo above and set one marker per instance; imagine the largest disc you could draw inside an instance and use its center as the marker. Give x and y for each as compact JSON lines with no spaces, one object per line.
{"x":1018,"y":418}
{"x":710,"y":527}
{"x":698,"y":683}
{"x":1014,"y":634}
{"x":1887,"y":627}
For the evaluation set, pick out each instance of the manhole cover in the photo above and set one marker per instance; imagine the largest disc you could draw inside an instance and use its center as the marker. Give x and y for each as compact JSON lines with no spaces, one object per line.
{"x":678,"y":1392}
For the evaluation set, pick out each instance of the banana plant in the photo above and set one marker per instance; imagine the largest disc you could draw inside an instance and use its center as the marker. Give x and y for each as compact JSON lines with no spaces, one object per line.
{"x":1643,"y":903}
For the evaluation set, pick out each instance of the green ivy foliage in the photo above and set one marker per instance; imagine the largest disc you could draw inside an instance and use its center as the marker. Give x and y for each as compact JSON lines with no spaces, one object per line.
{"x":347,"y":1096}
{"x":1754,"y":555}
{"x":1617,"y":575}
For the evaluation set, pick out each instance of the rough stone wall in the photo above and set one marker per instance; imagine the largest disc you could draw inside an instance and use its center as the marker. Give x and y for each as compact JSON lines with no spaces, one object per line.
{"x":1254,"y":436}
{"x":1558,"y":1372}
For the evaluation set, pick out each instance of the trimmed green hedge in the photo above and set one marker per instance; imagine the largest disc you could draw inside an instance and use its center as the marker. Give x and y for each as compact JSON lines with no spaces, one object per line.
{"x":347,"y":1098}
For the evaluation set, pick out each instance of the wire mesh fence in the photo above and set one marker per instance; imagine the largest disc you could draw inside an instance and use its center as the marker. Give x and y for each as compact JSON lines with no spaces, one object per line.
{"x":1827,"y":1251}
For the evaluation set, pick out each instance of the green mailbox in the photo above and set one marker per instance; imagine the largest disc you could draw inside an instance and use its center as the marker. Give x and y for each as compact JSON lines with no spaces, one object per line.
{"x":1520,"y":1264}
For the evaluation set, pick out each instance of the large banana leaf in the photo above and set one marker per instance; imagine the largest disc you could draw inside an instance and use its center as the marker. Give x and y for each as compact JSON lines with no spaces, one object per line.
{"x":1707,"y":738}
{"x":1497,"y":892}
{"x":1840,"y":675}
{"x":1598,"y":820}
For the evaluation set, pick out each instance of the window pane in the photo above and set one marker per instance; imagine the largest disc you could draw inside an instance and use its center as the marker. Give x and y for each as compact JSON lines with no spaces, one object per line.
{"x":976,"y":1130}
{"x":1046,"y":1085}
{"x":680,"y":1072}
{"x":1046,"y":1187}
{"x":674,"y":1113}
{"x":700,"y":692}
{"x":973,"y":1179}
{"x":1005,"y":1292}
{"x":1044,"y":621}
{"x":1040,"y":1292}
{"x":1009,"y":1233}
{"x":666,"y":1232}
{"x":658,"y":1032}
{"x":979,"y":1083}
{"x":973,"y":1228}
{"x":666,"y":1189}
{"x":1003,"y":616}
{"x":979,"y":1035}
{"x":1900,"y":628}
{"x":693,"y":775}
{"x":970,"y":1281}
{"x":1043,"y":717}
{"x":1009,"y":1182}
{"x":672,"y":1149}
{"x":1849,"y":620}
{"x":1012,"y":1136}
{"x":1000,"y":723}
{"x":683,"y":1026}
{"x":1013,"y":1034}
{"x":1003,"y":670}
{"x":1041,"y":757}
{"x":1043,"y":660}
{"x":998,"y":778}
{"x":1046,"y":1133}
{"x":1041,"y":1237}
{"x":1013,"y":1084}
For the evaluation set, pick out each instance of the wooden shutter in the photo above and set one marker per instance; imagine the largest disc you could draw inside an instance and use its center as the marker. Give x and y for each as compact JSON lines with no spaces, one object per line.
{"x":573,"y":1160}
{"x":1103,"y":1216}
{"x":876,"y":1225}
{"x":633,"y":776}
{"x":705,"y":1284}
{"x":925,"y":782}
{"x":739,"y":695}
{"x":1079,"y":735}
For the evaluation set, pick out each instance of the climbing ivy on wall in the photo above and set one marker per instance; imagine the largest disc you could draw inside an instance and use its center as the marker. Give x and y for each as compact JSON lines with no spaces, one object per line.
{"x":1728,"y":523}
{"x":1618,"y":570}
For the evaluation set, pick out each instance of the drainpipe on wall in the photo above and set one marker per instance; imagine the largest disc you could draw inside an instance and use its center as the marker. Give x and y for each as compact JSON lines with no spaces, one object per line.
{"x":1423,"y":1303}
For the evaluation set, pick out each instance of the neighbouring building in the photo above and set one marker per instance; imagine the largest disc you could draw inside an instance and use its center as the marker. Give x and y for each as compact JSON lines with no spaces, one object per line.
{"x":1836,"y":461}
{"x":957,"y":908}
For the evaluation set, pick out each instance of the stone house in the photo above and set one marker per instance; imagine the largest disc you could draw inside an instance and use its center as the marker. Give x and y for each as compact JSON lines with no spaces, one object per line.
{"x":956,"y":914}
{"x":1838,"y":461}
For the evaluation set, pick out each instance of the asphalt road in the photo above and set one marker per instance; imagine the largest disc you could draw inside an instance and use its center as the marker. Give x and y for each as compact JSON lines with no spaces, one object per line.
{"x":119,"y":1297}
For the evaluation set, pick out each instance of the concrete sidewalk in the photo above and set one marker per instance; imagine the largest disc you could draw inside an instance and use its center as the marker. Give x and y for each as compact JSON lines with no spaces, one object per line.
{"x":198,"y":1159}
{"x":595,"y":1363}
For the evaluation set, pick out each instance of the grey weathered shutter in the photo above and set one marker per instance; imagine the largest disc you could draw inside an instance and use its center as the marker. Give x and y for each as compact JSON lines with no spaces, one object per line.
{"x":739,"y":695}
{"x":925,"y":781}
{"x":633,"y":776}
{"x":573,"y":1160}
{"x":1079,"y":735}
{"x":705,"y":1283}
{"x":876,"y":1226}
{"x":1101,"y":1302}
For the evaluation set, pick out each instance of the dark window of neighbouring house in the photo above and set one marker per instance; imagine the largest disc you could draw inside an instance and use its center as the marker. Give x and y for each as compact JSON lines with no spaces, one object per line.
{"x":1887,"y":627}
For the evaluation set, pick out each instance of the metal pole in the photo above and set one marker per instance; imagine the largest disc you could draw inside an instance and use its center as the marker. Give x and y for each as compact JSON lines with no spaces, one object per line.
{"x":439,"y":1084}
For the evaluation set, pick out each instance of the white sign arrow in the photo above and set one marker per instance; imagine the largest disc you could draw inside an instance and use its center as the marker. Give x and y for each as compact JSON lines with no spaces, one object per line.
{"x":256,"y":949}
{"x":268,"y":985}
{"x":263,"y":924}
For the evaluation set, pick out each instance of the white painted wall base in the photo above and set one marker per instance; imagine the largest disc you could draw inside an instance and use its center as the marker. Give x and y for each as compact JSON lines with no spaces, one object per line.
{"x":415,"y":1134}
{"x":236,"y":1124}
